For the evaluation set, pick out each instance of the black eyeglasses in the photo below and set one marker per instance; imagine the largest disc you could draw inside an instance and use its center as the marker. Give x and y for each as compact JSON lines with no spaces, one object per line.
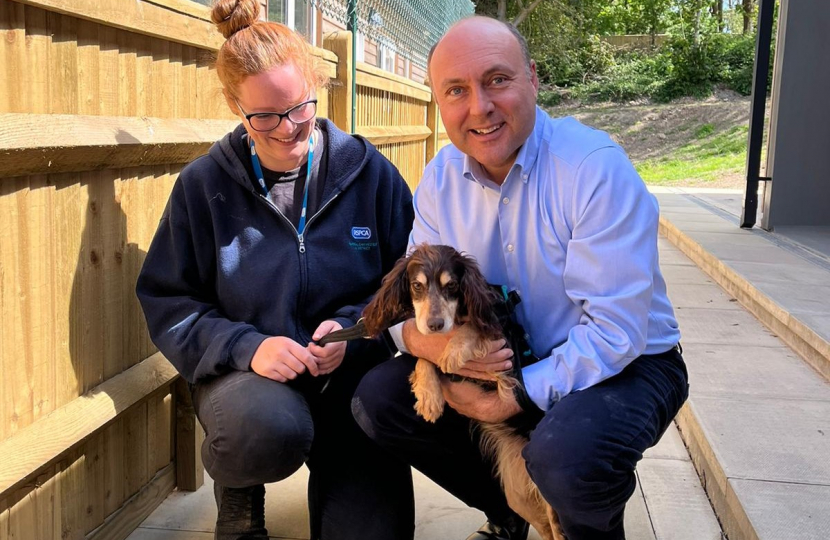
{"x":298,"y":114}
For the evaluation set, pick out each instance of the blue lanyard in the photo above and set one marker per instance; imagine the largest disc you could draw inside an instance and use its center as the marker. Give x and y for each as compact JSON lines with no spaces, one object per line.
{"x":261,"y":178}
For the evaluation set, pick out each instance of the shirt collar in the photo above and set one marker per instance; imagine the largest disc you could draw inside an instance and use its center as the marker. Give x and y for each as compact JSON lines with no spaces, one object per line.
{"x":524,"y":160}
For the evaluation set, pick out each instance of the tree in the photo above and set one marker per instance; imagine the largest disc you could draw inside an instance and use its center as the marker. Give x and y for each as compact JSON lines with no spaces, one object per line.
{"x":518,"y":11}
{"x":748,"y":8}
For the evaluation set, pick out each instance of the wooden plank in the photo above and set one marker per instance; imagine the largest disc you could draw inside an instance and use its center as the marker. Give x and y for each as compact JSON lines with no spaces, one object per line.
{"x":13,"y":56}
{"x":113,"y":294}
{"x":94,"y":489}
{"x":394,"y":134}
{"x":135,"y":449}
{"x":23,"y":515}
{"x":38,"y":44}
{"x":433,"y":120}
{"x":340,"y":92}
{"x":69,"y":209}
{"x":48,"y":505}
{"x":90,"y":276}
{"x":161,"y":83}
{"x":373,"y":77}
{"x":71,"y":485}
{"x":4,"y":520}
{"x":164,"y":431}
{"x":37,"y":446}
{"x":63,"y":64}
{"x":109,"y":80}
{"x":40,"y":300}
{"x":85,"y":143}
{"x":140,"y":17}
{"x":114,"y":495}
{"x":127,"y":85}
{"x":190,"y":472}
{"x":88,"y":73}
{"x":124,"y":521}
{"x":17,"y":399}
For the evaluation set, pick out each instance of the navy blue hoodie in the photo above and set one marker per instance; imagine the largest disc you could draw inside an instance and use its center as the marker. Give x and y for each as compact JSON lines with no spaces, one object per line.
{"x":225,"y":269}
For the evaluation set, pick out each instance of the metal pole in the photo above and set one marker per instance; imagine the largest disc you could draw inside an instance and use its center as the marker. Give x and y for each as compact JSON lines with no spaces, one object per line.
{"x":760,"y":77}
{"x":352,"y":27}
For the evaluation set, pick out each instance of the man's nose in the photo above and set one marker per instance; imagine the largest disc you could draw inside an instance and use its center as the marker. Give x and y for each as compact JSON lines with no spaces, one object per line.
{"x":481,"y":103}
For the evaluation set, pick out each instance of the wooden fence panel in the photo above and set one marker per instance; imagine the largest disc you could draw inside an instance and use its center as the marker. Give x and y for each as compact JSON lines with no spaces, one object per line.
{"x":102,"y":102}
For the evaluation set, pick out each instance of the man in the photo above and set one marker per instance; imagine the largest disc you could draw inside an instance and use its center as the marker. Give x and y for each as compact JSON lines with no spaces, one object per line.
{"x":555,"y":211}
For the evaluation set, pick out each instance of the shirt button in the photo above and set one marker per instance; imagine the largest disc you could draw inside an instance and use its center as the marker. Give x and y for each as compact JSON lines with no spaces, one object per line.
{"x":510,"y":248}
{"x":524,"y":176}
{"x":505,"y":200}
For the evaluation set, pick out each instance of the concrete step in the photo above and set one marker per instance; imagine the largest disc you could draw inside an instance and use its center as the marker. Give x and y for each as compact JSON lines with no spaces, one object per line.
{"x":757,"y":423}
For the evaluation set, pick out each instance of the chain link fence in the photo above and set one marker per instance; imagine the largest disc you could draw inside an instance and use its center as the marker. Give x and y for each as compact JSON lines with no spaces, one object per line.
{"x":410,"y":26}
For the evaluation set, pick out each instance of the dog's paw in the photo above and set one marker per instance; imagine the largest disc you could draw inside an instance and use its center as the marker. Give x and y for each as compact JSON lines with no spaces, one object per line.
{"x":430,"y":409}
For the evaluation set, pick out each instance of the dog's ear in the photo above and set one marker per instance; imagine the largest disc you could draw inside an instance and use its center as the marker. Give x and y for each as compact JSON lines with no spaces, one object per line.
{"x":478,"y":298}
{"x":391,"y":302}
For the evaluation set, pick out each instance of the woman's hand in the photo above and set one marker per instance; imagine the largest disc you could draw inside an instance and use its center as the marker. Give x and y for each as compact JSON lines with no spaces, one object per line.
{"x":330,"y":356}
{"x":283,"y":359}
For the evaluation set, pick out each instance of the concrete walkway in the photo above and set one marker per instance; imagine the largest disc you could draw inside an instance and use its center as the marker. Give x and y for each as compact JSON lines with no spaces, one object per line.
{"x":757,"y":424}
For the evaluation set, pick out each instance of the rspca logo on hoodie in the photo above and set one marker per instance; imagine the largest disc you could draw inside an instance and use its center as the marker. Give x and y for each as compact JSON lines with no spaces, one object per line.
{"x":362,"y":235}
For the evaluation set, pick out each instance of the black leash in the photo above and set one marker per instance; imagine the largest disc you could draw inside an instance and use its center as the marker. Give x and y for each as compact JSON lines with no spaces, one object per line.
{"x":346,"y":334}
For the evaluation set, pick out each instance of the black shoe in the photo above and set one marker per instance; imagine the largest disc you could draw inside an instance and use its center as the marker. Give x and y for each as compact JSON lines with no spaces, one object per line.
{"x":515,"y":529}
{"x":241,"y":513}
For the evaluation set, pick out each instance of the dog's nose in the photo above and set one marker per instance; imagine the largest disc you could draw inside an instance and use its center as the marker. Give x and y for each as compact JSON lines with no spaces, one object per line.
{"x":435,"y":324}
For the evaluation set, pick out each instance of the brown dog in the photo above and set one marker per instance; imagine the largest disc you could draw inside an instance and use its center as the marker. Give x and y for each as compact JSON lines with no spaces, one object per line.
{"x":445,"y":290}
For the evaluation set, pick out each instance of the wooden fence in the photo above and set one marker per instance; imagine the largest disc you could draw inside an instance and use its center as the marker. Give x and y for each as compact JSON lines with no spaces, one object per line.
{"x":102,"y":102}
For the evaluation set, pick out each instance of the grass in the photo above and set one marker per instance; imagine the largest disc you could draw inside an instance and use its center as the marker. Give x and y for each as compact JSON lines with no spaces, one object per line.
{"x":706,"y":159}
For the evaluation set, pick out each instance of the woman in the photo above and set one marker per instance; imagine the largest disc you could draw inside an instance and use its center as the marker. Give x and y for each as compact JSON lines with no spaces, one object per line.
{"x":277,"y":237}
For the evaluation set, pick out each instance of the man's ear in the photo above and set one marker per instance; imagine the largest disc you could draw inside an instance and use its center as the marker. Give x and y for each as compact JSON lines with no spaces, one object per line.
{"x":534,"y":78}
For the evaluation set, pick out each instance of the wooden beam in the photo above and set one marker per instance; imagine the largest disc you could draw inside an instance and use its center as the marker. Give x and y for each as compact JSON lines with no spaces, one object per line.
{"x":186,"y":7}
{"x":190,"y":471}
{"x":340,"y":92}
{"x":141,"y":17}
{"x":393,"y":134}
{"x":124,"y":521}
{"x":40,"y":444}
{"x":373,"y":77}
{"x":46,"y":143}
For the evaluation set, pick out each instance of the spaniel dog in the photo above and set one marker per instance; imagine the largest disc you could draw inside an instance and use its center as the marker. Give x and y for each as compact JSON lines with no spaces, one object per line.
{"x":445,"y":290}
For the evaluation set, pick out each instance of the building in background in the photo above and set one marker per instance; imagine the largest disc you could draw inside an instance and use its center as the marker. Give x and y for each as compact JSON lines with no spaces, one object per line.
{"x":394,"y":35}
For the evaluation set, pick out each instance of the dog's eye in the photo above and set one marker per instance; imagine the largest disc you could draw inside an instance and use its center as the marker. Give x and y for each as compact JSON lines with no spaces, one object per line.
{"x":417,"y":286}
{"x":452,"y":286}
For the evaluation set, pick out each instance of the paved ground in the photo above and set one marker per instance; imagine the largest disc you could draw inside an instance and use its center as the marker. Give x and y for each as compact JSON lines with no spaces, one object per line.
{"x":669,"y":504}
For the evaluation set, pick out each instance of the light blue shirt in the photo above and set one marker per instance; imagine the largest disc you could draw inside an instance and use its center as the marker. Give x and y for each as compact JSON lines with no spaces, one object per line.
{"x":573,"y":229}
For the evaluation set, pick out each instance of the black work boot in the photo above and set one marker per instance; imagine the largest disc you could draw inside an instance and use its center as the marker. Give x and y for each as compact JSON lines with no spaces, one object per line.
{"x":241,"y":513}
{"x":513,"y":528}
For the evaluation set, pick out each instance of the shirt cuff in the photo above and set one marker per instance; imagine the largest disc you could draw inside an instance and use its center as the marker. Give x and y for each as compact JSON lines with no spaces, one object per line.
{"x":540,"y":384}
{"x":396,"y":332}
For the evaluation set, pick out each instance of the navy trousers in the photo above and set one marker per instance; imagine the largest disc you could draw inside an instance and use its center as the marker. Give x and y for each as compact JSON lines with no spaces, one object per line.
{"x":582,"y":454}
{"x":260,"y":431}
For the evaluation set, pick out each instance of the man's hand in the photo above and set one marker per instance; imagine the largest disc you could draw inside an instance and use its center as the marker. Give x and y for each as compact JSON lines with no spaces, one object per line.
{"x":283,"y":359}
{"x":331,"y":356}
{"x":498,"y":359}
{"x":429,"y":347}
{"x":472,"y":401}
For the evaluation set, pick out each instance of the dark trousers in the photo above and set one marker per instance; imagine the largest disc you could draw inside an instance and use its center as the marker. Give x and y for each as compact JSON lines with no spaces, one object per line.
{"x":261,"y":431}
{"x":582,"y":454}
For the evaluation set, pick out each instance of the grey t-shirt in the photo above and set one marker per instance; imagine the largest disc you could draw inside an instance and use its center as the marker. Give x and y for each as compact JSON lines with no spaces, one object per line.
{"x":285,"y":188}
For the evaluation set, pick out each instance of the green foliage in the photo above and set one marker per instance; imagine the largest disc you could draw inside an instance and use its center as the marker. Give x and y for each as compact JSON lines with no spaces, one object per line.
{"x":704,"y":131}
